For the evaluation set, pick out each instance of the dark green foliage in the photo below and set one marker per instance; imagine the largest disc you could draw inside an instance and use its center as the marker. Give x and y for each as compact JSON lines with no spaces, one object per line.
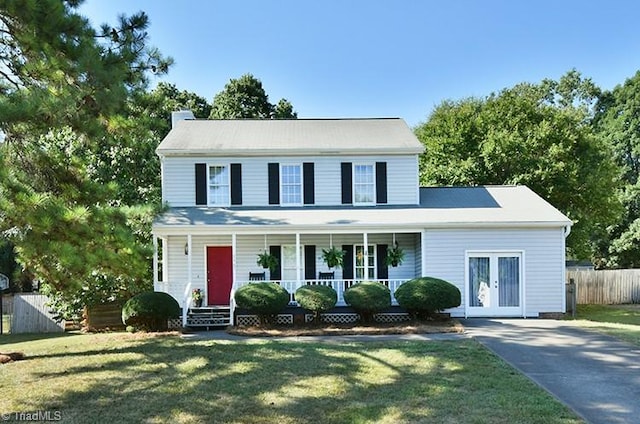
{"x":317,"y":299}
{"x":263,"y":299}
{"x":244,"y":98}
{"x":422,"y":297}
{"x":64,"y":88}
{"x":538,"y":135}
{"x":368,"y":298}
{"x":618,"y":121}
{"x":150,"y":311}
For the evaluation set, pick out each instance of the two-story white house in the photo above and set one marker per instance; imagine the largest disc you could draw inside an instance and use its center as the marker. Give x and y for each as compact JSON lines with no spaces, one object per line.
{"x":236,"y":188}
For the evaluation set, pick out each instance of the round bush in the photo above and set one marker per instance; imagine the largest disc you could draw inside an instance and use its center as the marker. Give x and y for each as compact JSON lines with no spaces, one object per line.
{"x":368,"y":298}
{"x":316,"y":299}
{"x":150,"y":311}
{"x":262,"y":299}
{"x":425,"y":296}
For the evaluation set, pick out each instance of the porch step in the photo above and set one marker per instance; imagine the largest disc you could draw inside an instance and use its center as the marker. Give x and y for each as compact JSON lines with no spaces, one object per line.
{"x":209,"y":316}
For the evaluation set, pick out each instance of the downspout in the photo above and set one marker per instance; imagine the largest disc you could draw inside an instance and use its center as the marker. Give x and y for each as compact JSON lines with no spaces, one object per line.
{"x":566,"y":231}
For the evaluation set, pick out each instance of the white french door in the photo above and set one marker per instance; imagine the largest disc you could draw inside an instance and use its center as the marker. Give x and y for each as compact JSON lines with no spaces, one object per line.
{"x":494,"y":284}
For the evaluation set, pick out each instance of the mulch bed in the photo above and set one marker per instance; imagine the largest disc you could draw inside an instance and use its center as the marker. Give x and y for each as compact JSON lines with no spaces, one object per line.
{"x":422,"y":327}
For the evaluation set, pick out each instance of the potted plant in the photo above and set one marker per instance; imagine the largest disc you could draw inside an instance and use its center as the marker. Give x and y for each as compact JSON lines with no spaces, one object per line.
{"x":267,"y":261}
{"x":197,"y":297}
{"x":333,"y":257}
{"x":395,"y":256}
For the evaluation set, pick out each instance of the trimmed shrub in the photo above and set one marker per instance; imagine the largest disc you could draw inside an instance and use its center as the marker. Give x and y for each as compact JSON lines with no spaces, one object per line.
{"x":423,"y":297}
{"x":368,"y":298}
{"x":262,"y":299}
{"x":317,"y":299}
{"x":150,"y":311}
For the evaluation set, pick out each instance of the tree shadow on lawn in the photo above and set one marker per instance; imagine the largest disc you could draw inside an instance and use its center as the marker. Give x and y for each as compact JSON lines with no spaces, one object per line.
{"x":173,"y":380}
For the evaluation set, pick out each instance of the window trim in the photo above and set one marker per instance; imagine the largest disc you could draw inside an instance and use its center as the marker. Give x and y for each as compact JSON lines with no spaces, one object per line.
{"x":228,"y":167}
{"x":301,"y":185}
{"x":367,"y":267}
{"x":354,"y":165}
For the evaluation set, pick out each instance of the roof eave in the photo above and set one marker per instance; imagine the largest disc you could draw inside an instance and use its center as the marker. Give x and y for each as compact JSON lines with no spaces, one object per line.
{"x":175,"y":229}
{"x":289,"y":152}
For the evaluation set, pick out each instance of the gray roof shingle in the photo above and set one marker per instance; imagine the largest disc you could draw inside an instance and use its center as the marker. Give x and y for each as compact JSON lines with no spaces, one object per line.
{"x":440,"y":207}
{"x":248,"y":137}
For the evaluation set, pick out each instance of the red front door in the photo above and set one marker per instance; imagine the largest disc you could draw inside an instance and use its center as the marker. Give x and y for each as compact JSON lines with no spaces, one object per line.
{"x":219,"y":275}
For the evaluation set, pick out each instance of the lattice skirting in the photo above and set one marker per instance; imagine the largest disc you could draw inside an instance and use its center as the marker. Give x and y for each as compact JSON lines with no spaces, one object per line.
{"x":351,"y":318}
{"x":249,"y":320}
{"x":175,"y":323}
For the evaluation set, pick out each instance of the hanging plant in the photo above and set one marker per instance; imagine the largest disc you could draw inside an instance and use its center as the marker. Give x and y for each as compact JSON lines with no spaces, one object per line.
{"x":395,"y":256}
{"x":333,"y":257}
{"x":267,"y":261}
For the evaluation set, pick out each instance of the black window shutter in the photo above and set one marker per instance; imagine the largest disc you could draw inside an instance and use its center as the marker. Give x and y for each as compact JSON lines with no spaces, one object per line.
{"x":236,"y":184}
{"x":201,"y":183}
{"x":347,"y":263}
{"x":274,"y":183}
{"x":381,"y":256}
{"x":308,"y":184}
{"x":347,"y":189}
{"x":277,"y":273}
{"x":309,"y":262}
{"x":381,"y":182}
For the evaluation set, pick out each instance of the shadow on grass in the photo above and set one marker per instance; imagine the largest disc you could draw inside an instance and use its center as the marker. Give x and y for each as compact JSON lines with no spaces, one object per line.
{"x":29,"y":337}
{"x":169,"y":379}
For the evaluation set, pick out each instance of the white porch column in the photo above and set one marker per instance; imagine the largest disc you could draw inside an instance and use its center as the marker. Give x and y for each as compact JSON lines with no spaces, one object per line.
{"x":423,"y":255}
{"x":155,"y":262}
{"x":165,"y":261}
{"x":365,"y":247}
{"x":189,"y":256}
{"x":298,"y":260}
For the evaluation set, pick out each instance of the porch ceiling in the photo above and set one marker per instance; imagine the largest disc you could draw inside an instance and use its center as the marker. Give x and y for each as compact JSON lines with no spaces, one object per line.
{"x":440,"y":208}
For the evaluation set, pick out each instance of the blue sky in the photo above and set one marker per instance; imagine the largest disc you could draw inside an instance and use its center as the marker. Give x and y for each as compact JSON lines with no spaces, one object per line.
{"x":371,"y":58}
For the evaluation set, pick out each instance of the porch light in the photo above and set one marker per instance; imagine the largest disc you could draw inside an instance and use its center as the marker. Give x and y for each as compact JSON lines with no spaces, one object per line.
{"x":186,"y":248}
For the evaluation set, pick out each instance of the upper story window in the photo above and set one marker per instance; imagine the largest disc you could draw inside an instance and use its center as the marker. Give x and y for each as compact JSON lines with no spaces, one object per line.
{"x":219,"y":187}
{"x":364,"y":186}
{"x":291,"y":184}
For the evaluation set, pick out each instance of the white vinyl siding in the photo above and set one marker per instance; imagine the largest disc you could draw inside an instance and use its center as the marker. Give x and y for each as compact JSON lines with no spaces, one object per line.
{"x":542,"y":261}
{"x":179,"y":178}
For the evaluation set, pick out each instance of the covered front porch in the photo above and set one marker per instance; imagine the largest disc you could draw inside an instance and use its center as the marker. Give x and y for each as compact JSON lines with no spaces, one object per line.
{"x":219,"y":264}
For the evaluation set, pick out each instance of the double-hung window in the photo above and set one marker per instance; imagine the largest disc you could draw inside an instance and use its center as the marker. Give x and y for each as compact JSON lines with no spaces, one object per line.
{"x":291,"y":184}
{"x":219,"y":189}
{"x":364,"y":186}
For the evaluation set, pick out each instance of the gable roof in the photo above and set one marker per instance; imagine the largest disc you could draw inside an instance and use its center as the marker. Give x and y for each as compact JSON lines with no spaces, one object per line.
{"x":440,"y":207}
{"x":251,"y":137}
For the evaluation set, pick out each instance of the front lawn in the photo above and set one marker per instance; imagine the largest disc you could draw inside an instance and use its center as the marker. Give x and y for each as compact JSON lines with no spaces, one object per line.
{"x":622,"y":321}
{"x":120,"y":377}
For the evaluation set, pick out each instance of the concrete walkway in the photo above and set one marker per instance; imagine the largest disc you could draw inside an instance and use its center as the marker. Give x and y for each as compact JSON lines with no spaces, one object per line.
{"x":595,"y":375}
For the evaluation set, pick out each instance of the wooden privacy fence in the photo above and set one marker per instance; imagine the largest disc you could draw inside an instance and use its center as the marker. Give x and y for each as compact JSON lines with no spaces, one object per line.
{"x":32,"y":315}
{"x":608,"y":287}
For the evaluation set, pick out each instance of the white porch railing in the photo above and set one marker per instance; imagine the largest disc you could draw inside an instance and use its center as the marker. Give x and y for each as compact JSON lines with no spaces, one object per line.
{"x":338,"y":285}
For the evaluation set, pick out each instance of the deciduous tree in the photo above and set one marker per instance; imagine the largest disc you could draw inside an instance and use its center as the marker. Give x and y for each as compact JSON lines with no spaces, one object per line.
{"x":246,"y":98}
{"x":538,"y":135}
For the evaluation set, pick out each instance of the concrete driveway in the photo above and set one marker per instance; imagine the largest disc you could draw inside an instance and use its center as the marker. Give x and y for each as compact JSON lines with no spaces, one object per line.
{"x":595,"y":375}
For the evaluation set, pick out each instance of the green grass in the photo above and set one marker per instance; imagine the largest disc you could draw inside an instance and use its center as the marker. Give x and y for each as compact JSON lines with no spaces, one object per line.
{"x":127,"y":378}
{"x":621,"y":321}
